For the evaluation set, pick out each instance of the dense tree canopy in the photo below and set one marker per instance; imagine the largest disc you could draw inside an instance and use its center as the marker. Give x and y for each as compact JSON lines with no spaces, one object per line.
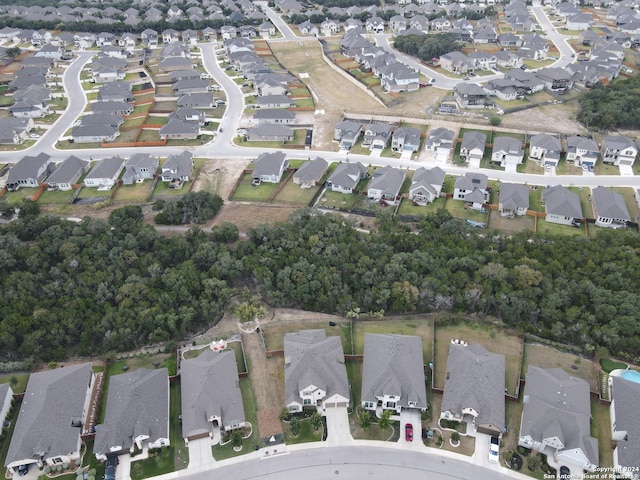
{"x":194,"y":207}
{"x":97,"y":286}
{"x":427,"y":47}
{"x":612,"y":106}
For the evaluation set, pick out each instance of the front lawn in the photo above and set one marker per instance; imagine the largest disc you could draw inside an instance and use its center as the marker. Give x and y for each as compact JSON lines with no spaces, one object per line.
{"x":305,"y":435}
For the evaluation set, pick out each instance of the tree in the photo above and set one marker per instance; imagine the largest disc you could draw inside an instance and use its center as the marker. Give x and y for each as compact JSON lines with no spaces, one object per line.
{"x":248,"y":311}
{"x":316,"y":420}
{"x":495,"y":120}
{"x":28,"y":209}
{"x":12,"y":52}
{"x":294,"y":424}
{"x":384,"y":421}
{"x":365,"y":420}
{"x":236,"y":439}
{"x":455,"y":437}
{"x":226,"y":232}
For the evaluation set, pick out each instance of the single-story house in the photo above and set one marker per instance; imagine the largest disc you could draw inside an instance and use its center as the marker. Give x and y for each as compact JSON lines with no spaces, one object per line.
{"x":211,"y":398}
{"x":561,"y":205}
{"x":137,"y":413}
{"x":190,"y":85}
{"x":310,"y":173}
{"x":59,"y":400}
{"x":68,"y":173}
{"x":346,"y":176}
{"x":197,"y":100}
{"x":274,"y":116}
{"x":269,"y":167}
{"x":609,"y":208}
{"x":179,"y":129}
{"x":104,"y":173}
{"x":426,"y":185}
{"x":514,"y":199}
{"x":474,"y":388}
{"x":393,"y":373}
{"x":314,"y":371}
{"x":94,"y":133}
{"x":117,"y":108}
{"x":276,"y":101}
{"x":29,"y":171}
{"x":556,"y":419}
{"x":270,"y":132}
{"x":385,"y":184}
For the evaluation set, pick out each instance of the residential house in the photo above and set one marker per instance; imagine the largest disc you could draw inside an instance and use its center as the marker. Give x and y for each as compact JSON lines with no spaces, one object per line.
{"x":625,"y":426}
{"x":347,"y":132}
{"x":14,"y":130}
{"x":170,"y":35}
{"x":528,"y":79}
{"x":128,"y":41}
{"x":188,"y":114}
{"x":346,"y":176}
{"x":405,"y":139}
{"x":385,"y":185}
{"x":270,"y":132}
{"x":609,"y":208}
{"x":507,"y":151}
{"x":275,"y":101}
{"x":267,"y":29}
{"x":59,"y":400}
{"x":457,"y":62}
{"x":190,"y":37}
{"x":176,"y":128}
{"x":94,"y":133}
{"x":314,"y":371}
{"x":104,"y":173}
{"x":562,"y":206}
{"x":247,"y":31}
{"x":29,"y":171}
{"x":555,"y":79}
{"x":274,"y":115}
{"x":310,"y":173}
{"x":67,"y":174}
{"x":376,"y":135}
{"x":474,"y":388}
{"x":426,"y":185}
{"x":190,"y":85}
{"x":136,"y":415}
{"x":29,"y":108}
{"x":545,"y":149}
{"x":439,"y":143}
{"x":618,"y":150}
{"x":269,"y":168}
{"x":140,"y":167}
{"x":177,"y":167}
{"x":514,"y":199}
{"x":228,"y":32}
{"x":50,"y":51}
{"x":169,"y":64}
{"x":393,"y":376}
{"x":269,"y":85}
{"x":483,"y":60}
{"x":582,"y":151}
{"x":509,"y":40}
{"x":472,"y":147}
{"x":308,"y":28}
{"x":197,"y":100}
{"x":556,"y":419}
{"x":99,"y":119}
{"x":579,"y":21}
{"x":177,"y":75}
{"x":329,"y":27}
{"x":397,"y":77}
{"x":472,"y":189}
{"x":470,"y":95}
{"x":398,"y":23}
{"x":116,"y":108}
{"x":374,"y":25}
{"x":6,"y":398}
{"x":115,"y":92}
{"x":211,"y":398}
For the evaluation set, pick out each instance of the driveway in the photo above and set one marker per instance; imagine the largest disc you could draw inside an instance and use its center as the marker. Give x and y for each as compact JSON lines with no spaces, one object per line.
{"x":338,"y":432}
{"x":413,"y":417}
{"x":626,"y":170}
{"x":200,"y":456}
{"x":123,"y":470}
{"x":481,"y":455}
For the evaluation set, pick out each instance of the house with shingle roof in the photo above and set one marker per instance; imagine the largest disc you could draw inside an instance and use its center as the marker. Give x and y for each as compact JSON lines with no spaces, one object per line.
{"x":136,"y":415}
{"x":314,"y":371}
{"x":274,"y":115}
{"x":507,"y":151}
{"x":67,"y":173}
{"x":426,"y":185}
{"x":609,"y":208}
{"x":472,"y":189}
{"x":51,"y":416}
{"x":270,"y":132}
{"x":439,"y":143}
{"x":196,"y":100}
{"x":393,"y":376}
{"x":514,"y":199}
{"x":347,"y":132}
{"x":269,"y":167}
{"x":178,"y":167}
{"x":556,"y":418}
{"x":346,"y":176}
{"x":625,"y":425}
{"x":474,"y":388}
{"x":310,"y":173}
{"x":582,"y":150}
{"x":618,"y":150}
{"x":94,"y":133}
{"x":405,"y":139}
{"x":140,"y":167}
{"x":29,"y":171}
{"x":561,"y":205}
{"x":472,"y":147}
{"x":545,"y":149}
{"x":385,"y":184}
{"x":105,"y":173}
{"x":211,"y":398}
{"x":376,"y":135}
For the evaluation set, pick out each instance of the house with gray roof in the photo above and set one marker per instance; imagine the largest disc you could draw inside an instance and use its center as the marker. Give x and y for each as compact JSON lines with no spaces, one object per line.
{"x":556,"y":419}
{"x":474,"y":388}
{"x":94,"y":133}
{"x":472,"y":189}
{"x":314,"y":371}
{"x":625,"y":426}
{"x":545,"y":149}
{"x":270,"y":132}
{"x":14,"y":130}
{"x":507,"y":151}
{"x":68,"y":173}
{"x":426,"y":185}
{"x":439,"y":144}
{"x":211,"y":397}
{"x":49,"y":425}
{"x":376,"y":135}
{"x":178,"y":167}
{"x":582,"y":150}
{"x":105,"y":173}
{"x":197,"y":100}
{"x":189,"y":114}
{"x":140,"y":167}
{"x":470,"y":95}
{"x":472,"y":147}
{"x":276,"y":101}
{"x":618,"y":150}
{"x":385,"y":185}
{"x":29,"y":171}
{"x":29,"y":108}
{"x":169,"y":64}
{"x":137,"y":413}
{"x":101,"y":119}
{"x":347,"y":132}
{"x":561,"y":205}
{"x":190,"y":85}
{"x":405,"y":139}
{"x":115,"y":92}
{"x":274,"y":116}
{"x":393,"y":376}
{"x":346,"y":176}
{"x":514,"y":199}
{"x":269,"y":168}
{"x":310,"y":173}
{"x":609,"y":208}
{"x":117,"y":108}
{"x":176,"y":128}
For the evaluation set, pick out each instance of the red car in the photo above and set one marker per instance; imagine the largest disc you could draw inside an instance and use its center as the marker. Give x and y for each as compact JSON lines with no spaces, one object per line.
{"x":408,"y":432}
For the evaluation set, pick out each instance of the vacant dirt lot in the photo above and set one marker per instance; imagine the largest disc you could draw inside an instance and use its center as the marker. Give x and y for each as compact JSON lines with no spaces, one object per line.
{"x":556,"y":118}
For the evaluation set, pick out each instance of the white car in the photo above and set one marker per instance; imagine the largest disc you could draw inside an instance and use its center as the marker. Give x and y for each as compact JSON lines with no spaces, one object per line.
{"x":34,"y":135}
{"x":494,"y":450}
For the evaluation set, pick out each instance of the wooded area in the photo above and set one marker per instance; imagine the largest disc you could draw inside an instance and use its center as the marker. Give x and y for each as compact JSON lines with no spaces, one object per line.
{"x":616,"y":105}
{"x":427,"y":47}
{"x":96,"y":286}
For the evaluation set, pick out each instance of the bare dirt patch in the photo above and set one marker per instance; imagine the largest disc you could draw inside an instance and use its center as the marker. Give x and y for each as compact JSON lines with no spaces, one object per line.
{"x":559,"y":118}
{"x":248,"y":216}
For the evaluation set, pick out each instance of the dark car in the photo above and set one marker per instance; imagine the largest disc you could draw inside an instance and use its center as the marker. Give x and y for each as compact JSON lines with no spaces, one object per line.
{"x":23,"y":469}
{"x":408,"y":432}
{"x":110,"y":469}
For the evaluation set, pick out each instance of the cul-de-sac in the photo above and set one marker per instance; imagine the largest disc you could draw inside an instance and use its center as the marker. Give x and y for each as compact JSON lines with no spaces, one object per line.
{"x":319,"y":239}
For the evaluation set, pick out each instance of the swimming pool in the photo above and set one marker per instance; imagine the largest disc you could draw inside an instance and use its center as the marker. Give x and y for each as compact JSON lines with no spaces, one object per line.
{"x":631,"y":375}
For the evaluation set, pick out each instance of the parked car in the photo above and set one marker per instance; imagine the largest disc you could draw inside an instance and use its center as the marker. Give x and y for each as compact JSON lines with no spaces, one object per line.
{"x":408,"y":432}
{"x":23,"y":469}
{"x":494,"y":450}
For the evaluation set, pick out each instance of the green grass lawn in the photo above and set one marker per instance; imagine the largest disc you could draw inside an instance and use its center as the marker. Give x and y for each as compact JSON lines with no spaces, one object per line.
{"x":609,"y":365}
{"x":132,"y":122}
{"x":304,"y":102}
{"x":254,"y":193}
{"x":300,"y":92}
{"x":162,"y":189}
{"x":221,"y":452}
{"x":20,"y":383}
{"x":292,"y":193}
{"x":549,"y":228}
{"x":135,"y":193}
{"x":156,"y":120}
{"x":274,"y":334}
{"x":421,"y":326}
{"x":58,"y":197}
{"x":14,"y":197}
{"x":407,"y":207}
{"x":240,"y":141}
{"x":458,"y":210}
{"x":305,"y":435}
{"x":342,"y":201}
{"x":601,"y":429}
